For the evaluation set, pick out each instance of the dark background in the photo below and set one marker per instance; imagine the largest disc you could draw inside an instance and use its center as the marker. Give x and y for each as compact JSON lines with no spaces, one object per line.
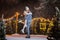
{"x":9,"y":7}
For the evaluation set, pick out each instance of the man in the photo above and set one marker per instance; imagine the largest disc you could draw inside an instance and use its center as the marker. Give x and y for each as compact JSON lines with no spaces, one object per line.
{"x":28,"y":18}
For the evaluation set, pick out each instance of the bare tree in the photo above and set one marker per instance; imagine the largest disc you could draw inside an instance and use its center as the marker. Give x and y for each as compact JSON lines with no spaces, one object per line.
{"x":45,"y":2}
{"x":41,"y":5}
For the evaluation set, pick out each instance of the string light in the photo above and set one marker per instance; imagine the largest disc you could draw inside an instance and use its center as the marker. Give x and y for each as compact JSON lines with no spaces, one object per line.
{"x":12,"y":17}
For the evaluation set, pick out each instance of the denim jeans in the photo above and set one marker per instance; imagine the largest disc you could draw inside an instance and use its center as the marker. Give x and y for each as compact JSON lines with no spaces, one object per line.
{"x":28,"y":28}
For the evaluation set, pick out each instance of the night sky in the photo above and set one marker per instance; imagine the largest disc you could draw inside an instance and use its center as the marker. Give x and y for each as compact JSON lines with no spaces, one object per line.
{"x":9,"y":7}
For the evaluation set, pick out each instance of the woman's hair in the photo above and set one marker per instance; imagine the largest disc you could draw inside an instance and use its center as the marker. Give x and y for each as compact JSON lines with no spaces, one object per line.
{"x":26,"y":8}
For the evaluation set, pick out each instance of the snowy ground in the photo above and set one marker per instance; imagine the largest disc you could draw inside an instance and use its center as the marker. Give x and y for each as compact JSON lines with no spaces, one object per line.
{"x":22,"y":37}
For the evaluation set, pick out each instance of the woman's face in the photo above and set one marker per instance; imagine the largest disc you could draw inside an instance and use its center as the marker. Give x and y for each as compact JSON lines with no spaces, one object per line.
{"x":28,"y":10}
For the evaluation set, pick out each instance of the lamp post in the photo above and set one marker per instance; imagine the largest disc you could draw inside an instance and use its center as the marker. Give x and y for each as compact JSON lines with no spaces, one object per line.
{"x":16,"y":15}
{"x":17,"y":21}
